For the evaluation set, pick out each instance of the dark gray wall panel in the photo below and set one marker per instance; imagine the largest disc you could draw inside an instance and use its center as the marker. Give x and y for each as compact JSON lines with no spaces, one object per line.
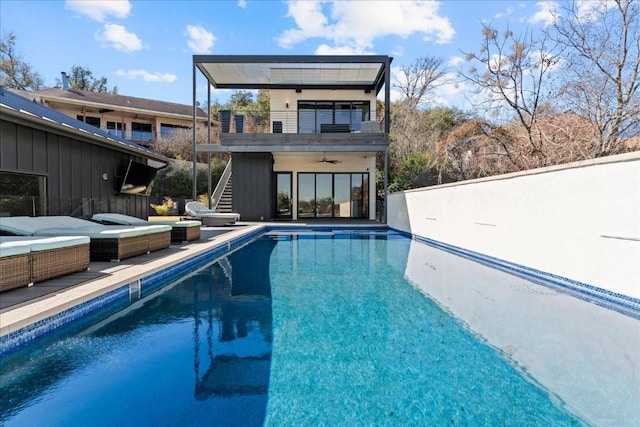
{"x":252,"y":182}
{"x":25,"y":148}
{"x":8,"y":146}
{"x":39,"y":151}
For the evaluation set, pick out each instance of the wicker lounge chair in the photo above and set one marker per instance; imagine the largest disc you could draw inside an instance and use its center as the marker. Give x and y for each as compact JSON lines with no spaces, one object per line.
{"x":25,"y":260}
{"x":181,"y":231}
{"x":208,"y":216}
{"x":107,"y":242}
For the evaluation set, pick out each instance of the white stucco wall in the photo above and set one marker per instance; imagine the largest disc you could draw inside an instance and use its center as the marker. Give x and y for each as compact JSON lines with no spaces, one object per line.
{"x":580,"y":221}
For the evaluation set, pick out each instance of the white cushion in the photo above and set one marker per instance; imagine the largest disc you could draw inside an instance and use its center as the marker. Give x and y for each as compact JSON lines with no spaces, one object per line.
{"x":14,"y":245}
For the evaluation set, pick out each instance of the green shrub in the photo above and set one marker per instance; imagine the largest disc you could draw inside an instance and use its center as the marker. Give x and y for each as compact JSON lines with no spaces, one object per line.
{"x":165,"y":208}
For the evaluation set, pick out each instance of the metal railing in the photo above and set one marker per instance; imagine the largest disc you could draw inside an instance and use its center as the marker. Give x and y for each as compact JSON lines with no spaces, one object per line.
{"x":222,"y":184}
{"x":286,"y":121}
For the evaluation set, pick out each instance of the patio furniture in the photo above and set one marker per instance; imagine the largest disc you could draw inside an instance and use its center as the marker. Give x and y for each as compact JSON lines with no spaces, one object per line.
{"x":25,"y":260}
{"x":209,"y":217}
{"x":181,"y":231}
{"x":107,"y":243}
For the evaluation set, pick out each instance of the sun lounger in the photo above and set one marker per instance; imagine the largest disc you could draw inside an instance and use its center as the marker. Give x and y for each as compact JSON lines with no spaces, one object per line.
{"x":25,"y":260}
{"x":181,"y":231}
{"x":208,"y":216}
{"x":107,"y":242}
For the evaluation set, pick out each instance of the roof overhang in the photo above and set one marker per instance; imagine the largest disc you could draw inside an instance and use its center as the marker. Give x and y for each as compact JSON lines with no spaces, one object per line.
{"x":49,"y":124}
{"x":364,"y":72}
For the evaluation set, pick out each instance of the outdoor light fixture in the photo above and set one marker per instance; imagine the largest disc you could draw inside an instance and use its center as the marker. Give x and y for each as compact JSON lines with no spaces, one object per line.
{"x":105,"y":176}
{"x":286,"y":105}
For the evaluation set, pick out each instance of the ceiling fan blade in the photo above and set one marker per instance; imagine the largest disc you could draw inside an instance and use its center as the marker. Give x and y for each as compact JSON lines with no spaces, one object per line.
{"x":325,"y":160}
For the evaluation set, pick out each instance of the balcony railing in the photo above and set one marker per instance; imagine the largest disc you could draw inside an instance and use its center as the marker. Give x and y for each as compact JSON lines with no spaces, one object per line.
{"x":141,"y":137}
{"x":281,"y":128}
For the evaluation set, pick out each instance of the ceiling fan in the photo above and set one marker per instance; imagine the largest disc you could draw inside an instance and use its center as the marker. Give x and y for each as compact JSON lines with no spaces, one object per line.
{"x":325,"y":160}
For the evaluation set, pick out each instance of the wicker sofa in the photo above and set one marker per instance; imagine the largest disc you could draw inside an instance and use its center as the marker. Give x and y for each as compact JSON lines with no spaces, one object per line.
{"x":107,"y":243}
{"x":25,"y":260}
{"x":181,"y":231}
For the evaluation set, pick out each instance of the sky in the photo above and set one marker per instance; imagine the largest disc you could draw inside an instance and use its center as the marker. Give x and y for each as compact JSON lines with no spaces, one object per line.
{"x":145,"y":48}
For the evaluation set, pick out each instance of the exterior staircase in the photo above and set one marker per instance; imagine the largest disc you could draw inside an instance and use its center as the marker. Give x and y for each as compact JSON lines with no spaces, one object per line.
{"x":222,"y":195}
{"x":224,"y":204}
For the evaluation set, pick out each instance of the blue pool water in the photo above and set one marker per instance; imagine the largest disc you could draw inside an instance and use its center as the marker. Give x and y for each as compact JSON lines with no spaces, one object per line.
{"x":290,"y":330}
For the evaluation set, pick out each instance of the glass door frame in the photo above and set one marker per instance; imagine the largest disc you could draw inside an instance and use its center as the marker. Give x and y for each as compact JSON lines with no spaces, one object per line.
{"x":276,"y":207}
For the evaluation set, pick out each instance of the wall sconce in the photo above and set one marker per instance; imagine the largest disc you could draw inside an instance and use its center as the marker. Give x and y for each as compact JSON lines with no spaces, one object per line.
{"x":286,"y":105}
{"x":105,"y":176}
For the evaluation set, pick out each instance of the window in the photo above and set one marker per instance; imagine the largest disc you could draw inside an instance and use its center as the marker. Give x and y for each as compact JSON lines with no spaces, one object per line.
{"x":22,"y":194}
{"x":283,"y":195}
{"x":93,"y":121}
{"x":141,"y":131}
{"x":116,"y":128}
{"x":313,"y":114}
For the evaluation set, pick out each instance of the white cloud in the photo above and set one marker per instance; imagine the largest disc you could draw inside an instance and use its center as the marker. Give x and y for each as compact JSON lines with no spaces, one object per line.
{"x":547,"y":10}
{"x":99,"y":10}
{"x":397,"y":51}
{"x":507,"y":12}
{"x":242,"y":4}
{"x":324,"y":49}
{"x":354,"y":26}
{"x":119,"y":38}
{"x":455,"y":61}
{"x":588,"y":11}
{"x":200,"y":40}
{"x":147,"y":76}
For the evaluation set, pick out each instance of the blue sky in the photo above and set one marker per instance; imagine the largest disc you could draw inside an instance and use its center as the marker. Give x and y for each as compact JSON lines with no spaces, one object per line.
{"x":145,"y":48}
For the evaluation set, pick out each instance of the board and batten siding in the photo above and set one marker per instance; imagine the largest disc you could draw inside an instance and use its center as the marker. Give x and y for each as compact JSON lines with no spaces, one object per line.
{"x":73,"y":169}
{"x":252,"y":175}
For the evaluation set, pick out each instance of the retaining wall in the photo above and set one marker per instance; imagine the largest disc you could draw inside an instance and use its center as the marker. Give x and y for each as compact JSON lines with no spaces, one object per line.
{"x":580,"y":221}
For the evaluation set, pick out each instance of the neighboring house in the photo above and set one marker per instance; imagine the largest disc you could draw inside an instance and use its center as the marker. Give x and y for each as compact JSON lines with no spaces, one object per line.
{"x":317,"y":160}
{"x":139,"y":120}
{"x":52,"y":164}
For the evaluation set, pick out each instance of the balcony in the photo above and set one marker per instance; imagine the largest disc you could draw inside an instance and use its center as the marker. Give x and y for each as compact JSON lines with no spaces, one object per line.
{"x":278,"y":131}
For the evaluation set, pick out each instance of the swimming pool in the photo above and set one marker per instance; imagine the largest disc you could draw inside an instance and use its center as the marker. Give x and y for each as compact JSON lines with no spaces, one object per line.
{"x":363,"y":328}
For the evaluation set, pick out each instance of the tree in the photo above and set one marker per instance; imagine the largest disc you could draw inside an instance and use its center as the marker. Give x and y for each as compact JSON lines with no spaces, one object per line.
{"x":476,"y":149}
{"x":420,"y":78}
{"x":418,"y":132}
{"x":81,"y":78}
{"x":512,"y":73}
{"x":176,"y":181}
{"x":418,"y":170}
{"x":14,"y":72}
{"x":601,"y":41}
{"x":179,"y":143}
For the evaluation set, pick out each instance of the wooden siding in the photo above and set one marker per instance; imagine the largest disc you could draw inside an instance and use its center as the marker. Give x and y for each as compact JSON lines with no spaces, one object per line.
{"x":73,"y":169}
{"x":252,"y":185}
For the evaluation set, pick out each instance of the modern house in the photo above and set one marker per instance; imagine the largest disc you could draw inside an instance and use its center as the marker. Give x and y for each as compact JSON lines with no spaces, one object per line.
{"x":317,"y":157}
{"x":53,"y":164}
{"x":139,"y":120}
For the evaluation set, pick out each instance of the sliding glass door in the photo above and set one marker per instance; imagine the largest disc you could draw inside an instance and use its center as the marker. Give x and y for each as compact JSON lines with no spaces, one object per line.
{"x":283,"y":195}
{"x":333,"y":195}
{"x":313,"y":114}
